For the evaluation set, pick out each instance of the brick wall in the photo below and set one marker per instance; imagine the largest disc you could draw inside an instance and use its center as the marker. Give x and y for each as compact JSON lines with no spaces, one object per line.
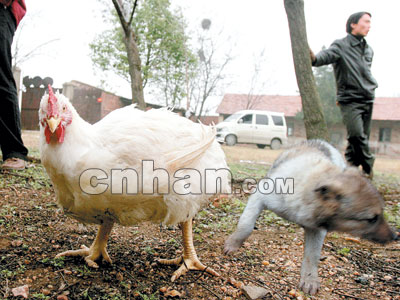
{"x":109,"y":103}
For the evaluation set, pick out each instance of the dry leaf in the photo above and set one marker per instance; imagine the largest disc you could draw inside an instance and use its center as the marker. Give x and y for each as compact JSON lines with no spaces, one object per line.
{"x":21,"y":291}
{"x":236,"y":284}
{"x":294,"y":293}
{"x":347,"y":238}
{"x":172,"y":293}
{"x":16,"y":243}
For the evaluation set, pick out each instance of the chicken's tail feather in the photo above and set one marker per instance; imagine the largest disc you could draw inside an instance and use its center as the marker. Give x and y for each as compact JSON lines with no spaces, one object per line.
{"x":180,"y":160}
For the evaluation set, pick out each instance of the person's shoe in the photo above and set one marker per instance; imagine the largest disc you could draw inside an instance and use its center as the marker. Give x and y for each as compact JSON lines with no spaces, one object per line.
{"x":13,"y":163}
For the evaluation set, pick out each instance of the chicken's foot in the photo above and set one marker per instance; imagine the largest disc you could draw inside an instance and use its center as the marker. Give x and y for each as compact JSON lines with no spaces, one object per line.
{"x":189,"y":260}
{"x":97,"y":250}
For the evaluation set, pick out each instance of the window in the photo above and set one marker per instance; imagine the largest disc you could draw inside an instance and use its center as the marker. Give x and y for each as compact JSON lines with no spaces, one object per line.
{"x":247,"y":119}
{"x":261,"y":120}
{"x":232,"y":118}
{"x":385,"y":134}
{"x":278,"y":120}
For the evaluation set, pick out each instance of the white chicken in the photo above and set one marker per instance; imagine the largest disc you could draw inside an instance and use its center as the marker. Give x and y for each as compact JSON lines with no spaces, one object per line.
{"x":117,"y":148}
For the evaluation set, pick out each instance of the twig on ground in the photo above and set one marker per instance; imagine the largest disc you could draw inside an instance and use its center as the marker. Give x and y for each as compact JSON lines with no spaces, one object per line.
{"x":349,"y":296}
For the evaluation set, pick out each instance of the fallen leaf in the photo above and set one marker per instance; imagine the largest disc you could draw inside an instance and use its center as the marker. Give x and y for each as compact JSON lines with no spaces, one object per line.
{"x":16,"y":243}
{"x":387,"y":278}
{"x":21,"y":291}
{"x":292,"y":293}
{"x":236,"y":284}
{"x":347,"y":238}
{"x":172,"y":293}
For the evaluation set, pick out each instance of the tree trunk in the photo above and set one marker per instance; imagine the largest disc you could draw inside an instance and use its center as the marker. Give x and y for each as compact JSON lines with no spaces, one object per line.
{"x":135,"y":65}
{"x":135,"y":71}
{"x":313,"y":116}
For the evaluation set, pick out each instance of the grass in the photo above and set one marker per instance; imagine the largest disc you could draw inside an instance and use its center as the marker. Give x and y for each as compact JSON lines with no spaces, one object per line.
{"x":55,"y":262}
{"x":34,"y":177}
{"x":241,"y":170}
{"x":343,"y":251}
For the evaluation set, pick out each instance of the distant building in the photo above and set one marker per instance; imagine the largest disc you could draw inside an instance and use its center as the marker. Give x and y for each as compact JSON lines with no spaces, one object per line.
{"x":92,"y":103}
{"x":385,"y":131}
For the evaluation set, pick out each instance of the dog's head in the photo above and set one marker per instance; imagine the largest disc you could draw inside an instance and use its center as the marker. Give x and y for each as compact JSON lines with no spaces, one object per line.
{"x":350,"y":203}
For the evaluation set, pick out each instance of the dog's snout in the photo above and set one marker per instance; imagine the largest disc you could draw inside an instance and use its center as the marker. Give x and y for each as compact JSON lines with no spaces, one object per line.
{"x":384,"y":234}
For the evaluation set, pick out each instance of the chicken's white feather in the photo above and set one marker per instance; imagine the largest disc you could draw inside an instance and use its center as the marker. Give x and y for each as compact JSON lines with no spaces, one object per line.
{"x":123,"y":140}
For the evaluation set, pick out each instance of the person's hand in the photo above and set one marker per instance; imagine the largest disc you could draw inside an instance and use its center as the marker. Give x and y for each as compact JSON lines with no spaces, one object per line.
{"x":312,"y":56}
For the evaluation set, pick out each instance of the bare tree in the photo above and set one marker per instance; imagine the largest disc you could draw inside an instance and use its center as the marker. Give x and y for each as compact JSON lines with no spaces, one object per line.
{"x":257,"y":84}
{"x":19,"y":52}
{"x":313,"y":116}
{"x":125,"y":15}
{"x":210,"y":71}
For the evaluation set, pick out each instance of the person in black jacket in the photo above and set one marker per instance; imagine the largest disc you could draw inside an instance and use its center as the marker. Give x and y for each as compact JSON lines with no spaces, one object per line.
{"x":351,"y":57}
{"x":12,"y":147}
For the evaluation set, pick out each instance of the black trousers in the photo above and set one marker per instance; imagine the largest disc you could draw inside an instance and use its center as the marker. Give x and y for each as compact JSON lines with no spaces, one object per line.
{"x":357,"y":119}
{"x":10,"y":120}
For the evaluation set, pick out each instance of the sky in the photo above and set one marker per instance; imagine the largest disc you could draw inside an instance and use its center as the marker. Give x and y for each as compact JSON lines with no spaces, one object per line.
{"x":245,"y":29}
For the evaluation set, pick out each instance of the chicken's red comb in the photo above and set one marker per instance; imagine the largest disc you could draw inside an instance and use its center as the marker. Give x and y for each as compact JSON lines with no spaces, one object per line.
{"x":52,"y":108}
{"x":51,"y":94}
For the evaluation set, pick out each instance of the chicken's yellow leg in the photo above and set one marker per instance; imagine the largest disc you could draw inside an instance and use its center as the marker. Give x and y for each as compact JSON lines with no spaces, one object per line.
{"x":189,"y":260}
{"x":98,"y":248}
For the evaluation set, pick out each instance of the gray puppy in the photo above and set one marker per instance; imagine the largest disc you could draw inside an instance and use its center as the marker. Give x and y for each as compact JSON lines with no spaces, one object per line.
{"x":327,"y":196}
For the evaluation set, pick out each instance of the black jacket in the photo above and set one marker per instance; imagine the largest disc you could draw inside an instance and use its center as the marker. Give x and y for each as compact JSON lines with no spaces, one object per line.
{"x":351,"y":59}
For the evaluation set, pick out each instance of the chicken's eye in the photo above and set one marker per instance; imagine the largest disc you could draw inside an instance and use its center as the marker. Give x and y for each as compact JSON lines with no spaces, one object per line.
{"x":64,"y":108}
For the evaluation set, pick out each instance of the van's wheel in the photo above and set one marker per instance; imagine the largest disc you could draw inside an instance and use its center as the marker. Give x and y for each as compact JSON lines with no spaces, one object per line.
{"x":276,"y":144}
{"x":230,"y":140}
{"x":261,"y":146}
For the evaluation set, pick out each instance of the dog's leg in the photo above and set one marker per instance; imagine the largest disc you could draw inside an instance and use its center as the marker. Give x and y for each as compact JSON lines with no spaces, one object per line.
{"x":246,"y":224}
{"x":314,"y":239}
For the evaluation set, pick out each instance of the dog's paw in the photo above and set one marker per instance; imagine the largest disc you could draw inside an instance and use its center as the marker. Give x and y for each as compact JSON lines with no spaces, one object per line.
{"x":310,"y":285}
{"x":231,"y":245}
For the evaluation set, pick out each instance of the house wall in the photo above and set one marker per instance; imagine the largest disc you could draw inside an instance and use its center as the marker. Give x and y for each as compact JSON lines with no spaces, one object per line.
{"x":391,"y":147}
{"x":84,"y":100}
{"x":338,"y":135}
{"x":109,"y":103}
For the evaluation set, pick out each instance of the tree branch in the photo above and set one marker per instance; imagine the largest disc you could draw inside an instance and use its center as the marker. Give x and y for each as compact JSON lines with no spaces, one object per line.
{"x":124,"y":24}
{"x":132,"y":13}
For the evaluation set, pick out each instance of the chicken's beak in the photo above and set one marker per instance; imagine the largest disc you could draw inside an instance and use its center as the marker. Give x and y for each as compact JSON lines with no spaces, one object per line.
{"x":53,"y":123}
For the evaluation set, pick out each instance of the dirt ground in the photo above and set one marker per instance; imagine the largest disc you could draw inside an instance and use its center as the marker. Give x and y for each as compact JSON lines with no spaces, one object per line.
{"x":33,"y":230}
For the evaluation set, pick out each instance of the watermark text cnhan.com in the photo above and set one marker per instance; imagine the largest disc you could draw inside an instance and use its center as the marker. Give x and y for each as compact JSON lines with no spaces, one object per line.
{"x":187,"y":181}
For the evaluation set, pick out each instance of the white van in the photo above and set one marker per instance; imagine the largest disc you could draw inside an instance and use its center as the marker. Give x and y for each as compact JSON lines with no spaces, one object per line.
{"x":254,"y":127}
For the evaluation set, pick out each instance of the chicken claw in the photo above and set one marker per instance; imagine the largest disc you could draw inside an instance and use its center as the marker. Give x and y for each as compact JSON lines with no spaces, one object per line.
{"x":189,"y":261}
{"x":90,"y":255}
{"x":188,"y":264}
{"x":97,"y":250}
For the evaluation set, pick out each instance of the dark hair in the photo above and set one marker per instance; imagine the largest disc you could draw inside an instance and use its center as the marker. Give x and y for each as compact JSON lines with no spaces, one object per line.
{"x":354,"y":18}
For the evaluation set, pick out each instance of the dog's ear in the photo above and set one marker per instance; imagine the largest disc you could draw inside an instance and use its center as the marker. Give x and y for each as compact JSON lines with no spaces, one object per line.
{"x":327,"y":192}
{"x":328,"y":202}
